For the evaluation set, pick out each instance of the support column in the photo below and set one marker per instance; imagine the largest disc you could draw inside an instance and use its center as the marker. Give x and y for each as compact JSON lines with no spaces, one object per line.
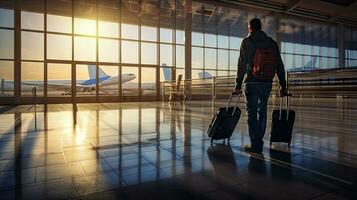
{"x":97,"y":52}
{"x":45,"y":71}
{"x":17,"y":52}
{"x":73,"y":67}
{"x":341,"y":45}
{"x":158,"y":54}
{"x":188,"y":42}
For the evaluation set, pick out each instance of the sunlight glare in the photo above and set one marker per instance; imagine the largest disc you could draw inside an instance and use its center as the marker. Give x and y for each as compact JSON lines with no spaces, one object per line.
{"x":81,"y":128}
{"x":81,"y":135}
{"x":85,"y":26}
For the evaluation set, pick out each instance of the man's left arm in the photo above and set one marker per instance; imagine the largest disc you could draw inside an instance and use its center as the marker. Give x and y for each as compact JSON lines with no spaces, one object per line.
{"x":241,"y":67}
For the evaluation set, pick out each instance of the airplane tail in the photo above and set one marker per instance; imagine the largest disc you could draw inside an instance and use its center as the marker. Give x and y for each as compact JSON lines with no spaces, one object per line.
{"x":167,"y":72}
{"x":92,"y":72}
{"x":204,"y":75}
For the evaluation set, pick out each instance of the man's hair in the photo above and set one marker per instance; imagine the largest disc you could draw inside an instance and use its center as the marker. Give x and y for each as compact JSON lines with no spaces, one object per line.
{"x":255,"y":24}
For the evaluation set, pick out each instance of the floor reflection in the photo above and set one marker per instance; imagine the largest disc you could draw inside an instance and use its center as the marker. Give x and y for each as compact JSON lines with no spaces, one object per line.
{"x":223,"y":162}
{"x":257,"y":164}
{"x":85,"y":150}
{"x":284,"y":170}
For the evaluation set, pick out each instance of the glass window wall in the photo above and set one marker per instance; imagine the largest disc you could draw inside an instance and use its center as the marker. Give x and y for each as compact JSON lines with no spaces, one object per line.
{"x":307,"y":46}
{"x":351,"y":47}
{"x":59,"y":80}
{"x":136,"y":41}
{"x":6,"y":78}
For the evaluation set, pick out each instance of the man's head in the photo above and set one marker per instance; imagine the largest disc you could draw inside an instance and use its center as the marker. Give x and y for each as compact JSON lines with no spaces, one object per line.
{"x":254,"y":25}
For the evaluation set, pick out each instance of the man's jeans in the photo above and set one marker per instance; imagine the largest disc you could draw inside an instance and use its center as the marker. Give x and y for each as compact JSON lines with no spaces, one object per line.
{"x":256,"y":98}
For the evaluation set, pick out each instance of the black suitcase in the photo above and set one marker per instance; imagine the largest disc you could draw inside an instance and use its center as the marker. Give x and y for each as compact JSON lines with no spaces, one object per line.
{"x":282,"y":123}
{"x":224,"y":122}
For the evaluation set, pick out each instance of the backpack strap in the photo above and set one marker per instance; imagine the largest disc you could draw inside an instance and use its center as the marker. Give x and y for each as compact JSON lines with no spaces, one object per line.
{"x":254,"y":42}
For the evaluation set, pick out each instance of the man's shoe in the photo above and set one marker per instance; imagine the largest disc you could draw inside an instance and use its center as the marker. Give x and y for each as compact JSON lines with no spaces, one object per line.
{"x":248,"y":148}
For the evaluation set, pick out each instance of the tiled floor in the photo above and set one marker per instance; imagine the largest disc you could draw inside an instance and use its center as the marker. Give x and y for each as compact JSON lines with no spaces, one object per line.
{"x":155,"y":150}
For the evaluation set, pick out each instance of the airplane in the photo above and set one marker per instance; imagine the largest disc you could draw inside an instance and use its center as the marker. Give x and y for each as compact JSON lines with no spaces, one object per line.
{"x":65,"y":85}
{"x":167,"y":73}
{"x":105,"y":79}
{"x":204,"y":75}
{"x":308,"y":66}
{"x":105,"y":82}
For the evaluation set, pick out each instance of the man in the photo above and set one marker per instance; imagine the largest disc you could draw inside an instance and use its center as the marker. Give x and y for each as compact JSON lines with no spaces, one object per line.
{"x":258,"y":86}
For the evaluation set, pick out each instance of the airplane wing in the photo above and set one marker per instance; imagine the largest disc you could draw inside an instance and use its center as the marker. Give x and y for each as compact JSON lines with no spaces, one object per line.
{"x":32,"y":84}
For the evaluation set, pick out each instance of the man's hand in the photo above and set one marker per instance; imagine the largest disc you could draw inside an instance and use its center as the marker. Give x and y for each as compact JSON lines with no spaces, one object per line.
{"x":237,"y":92}
{"x":283,"y":92}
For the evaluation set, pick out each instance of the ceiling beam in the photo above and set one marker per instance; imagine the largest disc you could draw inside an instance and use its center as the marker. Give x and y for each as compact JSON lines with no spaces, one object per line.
{"x":292,"y":4}
{"x":316,"y":5}
{"x":333,"y":10}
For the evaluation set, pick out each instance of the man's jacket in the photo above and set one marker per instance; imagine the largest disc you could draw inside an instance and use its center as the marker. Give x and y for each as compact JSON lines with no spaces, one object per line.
{"x":247,"y":52}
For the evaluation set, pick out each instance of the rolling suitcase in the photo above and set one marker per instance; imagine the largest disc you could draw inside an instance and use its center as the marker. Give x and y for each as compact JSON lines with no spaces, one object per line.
{"x":224,"y":122}
{"x":282,"y":123}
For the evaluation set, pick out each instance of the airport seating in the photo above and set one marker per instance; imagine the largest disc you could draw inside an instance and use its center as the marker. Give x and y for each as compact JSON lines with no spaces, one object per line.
{"x":175,"y":92}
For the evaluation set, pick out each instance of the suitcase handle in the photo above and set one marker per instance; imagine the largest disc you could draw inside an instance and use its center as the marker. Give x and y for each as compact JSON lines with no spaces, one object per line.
{"x":288,"y":101}
{"x":230,"y":100}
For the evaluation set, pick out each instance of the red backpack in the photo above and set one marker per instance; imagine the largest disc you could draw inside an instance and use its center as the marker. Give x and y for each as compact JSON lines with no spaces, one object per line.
{"x":263,"y":63}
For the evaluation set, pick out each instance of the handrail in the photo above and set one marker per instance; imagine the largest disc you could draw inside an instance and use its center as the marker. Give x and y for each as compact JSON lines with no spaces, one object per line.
{"x":322,"y":84}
